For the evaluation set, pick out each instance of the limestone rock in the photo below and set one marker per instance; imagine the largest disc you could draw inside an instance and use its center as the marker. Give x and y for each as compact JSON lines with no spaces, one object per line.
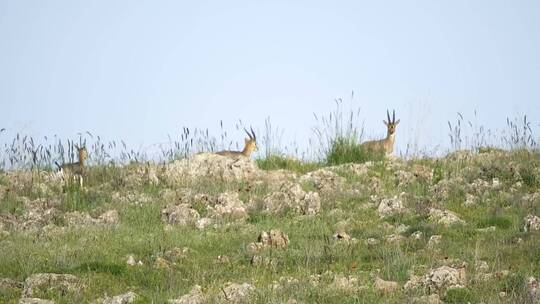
{"x":181,"y":214}
{"x":532,"y":223}
{"x":195,"y":296}
{"x":51,"y":281}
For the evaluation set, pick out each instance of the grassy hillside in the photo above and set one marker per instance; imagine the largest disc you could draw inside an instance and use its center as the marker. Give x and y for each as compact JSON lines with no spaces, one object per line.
{"x":385,"y":231}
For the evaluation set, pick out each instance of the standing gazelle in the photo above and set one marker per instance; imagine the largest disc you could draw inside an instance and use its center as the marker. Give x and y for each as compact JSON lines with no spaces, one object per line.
{"x":385,"y":145}
{"x":76,"y":169}
{"x":249,"y":147}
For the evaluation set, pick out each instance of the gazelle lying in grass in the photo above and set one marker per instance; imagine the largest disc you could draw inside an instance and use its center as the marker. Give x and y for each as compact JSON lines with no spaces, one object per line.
{"x":386,"y":145}
{"x":250,"y":147}
{"x":76,"y":169}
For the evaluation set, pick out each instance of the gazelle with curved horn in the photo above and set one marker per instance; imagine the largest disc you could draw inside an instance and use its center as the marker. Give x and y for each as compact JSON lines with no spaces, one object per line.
{"x":385,"y":145}
{"x":249,"y":147}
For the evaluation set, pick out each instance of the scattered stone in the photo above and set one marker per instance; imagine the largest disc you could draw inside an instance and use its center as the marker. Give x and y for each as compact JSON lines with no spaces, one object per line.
{"x":292,"y":196}
{"x":204,"y":223}
{"x":395,"y":238}
{"x":532,"y":285}
{"x":131,"y":260}
{"x":176,"y":254}
{"x":390,"y":206}
{"x":236,"y":293}
{"x":470,"y":200}
{"x":481,"y":266}
{"x":79,"y":219}
{"x":444,"y":217}
{"x":344,"y":283}
{"x":62,"y":283}
{"x":428,"y":299}
{"x":372,"y":242}
{"x":438,"y":279}
{"x":223,"y":259}
{"x":385,"y":286}
{"x":417,"y":235}
{"x":284,"y":283}
{"x":125,"y":298}
{"x":341,"y":237}
{"x":34,"y":301}
{"x":212,"y":166}
{"x":532,"y":223}
{"x":181,"y":214}
{"x":38,"y":213}
{"x":496,"y":184}
{"x":275,"y":238}
{"x":195,"y":296}
{"x":6,"y":283}
{"x":492,"y":276}
{"x":325,"y":181}
{"x":402,"y":228}
{"x":434,"y":240}
{"x":229,"y":207}
{"x":487,"y":229}
{"x":161,"y":263}
{"x":262,"y":261}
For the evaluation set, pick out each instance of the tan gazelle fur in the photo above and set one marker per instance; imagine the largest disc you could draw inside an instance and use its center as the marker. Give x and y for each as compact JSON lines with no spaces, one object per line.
{"x":76,"y":169}
{"x":250,"y":147}
{"x":385,"y":145}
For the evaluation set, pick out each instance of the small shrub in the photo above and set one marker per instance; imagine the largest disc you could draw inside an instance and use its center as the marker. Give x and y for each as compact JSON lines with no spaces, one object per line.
{"x":347,"y":150}
{"x":438,"y":173}
{"x":100,"y":267}
{"x":458,"y":295}
{"x":274,"y":162}
{"x":514,"y":285}
{"x":497,"y":221}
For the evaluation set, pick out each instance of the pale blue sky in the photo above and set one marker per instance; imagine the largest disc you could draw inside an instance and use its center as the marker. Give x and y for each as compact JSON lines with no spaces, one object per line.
{"x":138,"y":70}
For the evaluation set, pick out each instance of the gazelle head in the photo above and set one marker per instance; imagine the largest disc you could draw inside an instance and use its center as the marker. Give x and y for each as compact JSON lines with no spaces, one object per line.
{"x":391,"y":123}
{"x":251,"y":142}
{"x":83,"y":154}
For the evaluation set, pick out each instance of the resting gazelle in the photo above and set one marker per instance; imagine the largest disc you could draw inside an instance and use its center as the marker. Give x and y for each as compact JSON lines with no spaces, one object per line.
{"x":249,"y":147}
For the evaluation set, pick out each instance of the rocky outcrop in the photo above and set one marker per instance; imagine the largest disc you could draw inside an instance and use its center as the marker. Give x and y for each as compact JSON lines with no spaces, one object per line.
{"x":181,"y":215}
{"x":62,"y":283}
{"x":292,"y":196}
{"x":213,"y":166}
{"x":236,"y":293}
{"x":390,"y":206}
{"x":532,"y":223}
{"x":195,"y":296}
{"x":274,"y":238}
{"x":78,"y":219}
{"x":444,"y":217}
{"x":125,"y":298}
{"x":438,"y":279}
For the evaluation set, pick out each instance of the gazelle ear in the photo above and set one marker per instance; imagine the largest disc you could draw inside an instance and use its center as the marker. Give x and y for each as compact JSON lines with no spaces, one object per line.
{"x":397,"y":122}
{"x":385,"y":123}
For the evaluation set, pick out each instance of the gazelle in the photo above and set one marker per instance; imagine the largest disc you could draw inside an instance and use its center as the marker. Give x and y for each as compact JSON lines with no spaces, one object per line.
{"x":249,"y":147}
{"x":385,"y":145}
{"x":75,"y":169}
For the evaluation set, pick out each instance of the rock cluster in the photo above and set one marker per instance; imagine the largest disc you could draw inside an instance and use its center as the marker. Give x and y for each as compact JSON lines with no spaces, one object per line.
{"x":292,"y":196}
{"x":210,"y":165}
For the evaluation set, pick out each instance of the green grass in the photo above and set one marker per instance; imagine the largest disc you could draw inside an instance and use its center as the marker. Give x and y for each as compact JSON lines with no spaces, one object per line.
{"x":97,"y":255}
{"x":274,"y":162}
{"x":347,"y":150}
